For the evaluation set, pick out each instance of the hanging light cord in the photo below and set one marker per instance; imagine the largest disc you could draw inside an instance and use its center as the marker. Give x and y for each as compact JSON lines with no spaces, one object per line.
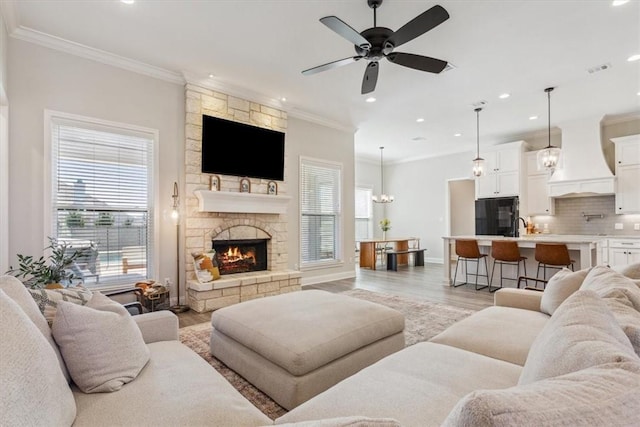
{"x":548,"y":90}
{"x":477,"y":110}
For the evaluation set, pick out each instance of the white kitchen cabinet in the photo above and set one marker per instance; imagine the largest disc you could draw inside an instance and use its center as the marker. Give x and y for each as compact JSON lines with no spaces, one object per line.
{"x":503,"y":164}
{"x":537,"y":192}
{"x":622,"y":252}
{"x":627,"y":174}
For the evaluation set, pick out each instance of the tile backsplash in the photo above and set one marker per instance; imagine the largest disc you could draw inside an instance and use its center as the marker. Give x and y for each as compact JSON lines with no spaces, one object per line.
{"x":569,"y":217}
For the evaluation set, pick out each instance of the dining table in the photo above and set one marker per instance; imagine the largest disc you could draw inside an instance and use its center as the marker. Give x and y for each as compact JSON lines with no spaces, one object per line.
{"x":370,"y":247}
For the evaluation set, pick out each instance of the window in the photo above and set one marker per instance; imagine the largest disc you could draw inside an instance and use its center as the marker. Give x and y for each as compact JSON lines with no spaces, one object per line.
{"x":364,"y":214}
{"x":101,"y":198}
{"x":320,"y":195}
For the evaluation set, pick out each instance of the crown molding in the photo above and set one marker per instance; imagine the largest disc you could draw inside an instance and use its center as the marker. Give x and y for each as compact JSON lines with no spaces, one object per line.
{"x":9,"y":15}
{"x":314,"y":118}
{"x":83,"y":51}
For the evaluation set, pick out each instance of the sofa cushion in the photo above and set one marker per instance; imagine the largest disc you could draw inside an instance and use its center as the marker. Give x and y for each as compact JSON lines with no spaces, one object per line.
{"x":176,"y":388}
{"x":605,"y":395}
{"x":622,"y":297}
{"x":48,"y":299}
{"x":19,"y":293}
{"x":564,"y":283}
{"x":416,"y":386}
{"x":33,"y":391}
{"x":320,"y":327}
{"x":503,"y":333}
{"x":100,"y":342}
{"x":582,"y":333}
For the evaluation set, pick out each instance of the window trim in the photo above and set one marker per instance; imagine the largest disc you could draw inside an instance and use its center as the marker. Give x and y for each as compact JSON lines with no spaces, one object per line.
{"x":339,"y":259}
{"x":49,"y":117}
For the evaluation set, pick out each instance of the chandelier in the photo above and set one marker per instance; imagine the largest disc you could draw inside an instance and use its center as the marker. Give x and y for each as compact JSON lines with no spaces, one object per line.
{"x":382,"y":198}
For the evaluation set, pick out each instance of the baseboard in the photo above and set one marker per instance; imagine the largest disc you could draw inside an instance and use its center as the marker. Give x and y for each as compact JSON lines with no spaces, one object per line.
{"x":434,"y":260}
{"x":327,"y":278}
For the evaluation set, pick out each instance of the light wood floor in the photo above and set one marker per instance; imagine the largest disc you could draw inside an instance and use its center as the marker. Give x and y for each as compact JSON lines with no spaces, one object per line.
{"x":421,"y":283}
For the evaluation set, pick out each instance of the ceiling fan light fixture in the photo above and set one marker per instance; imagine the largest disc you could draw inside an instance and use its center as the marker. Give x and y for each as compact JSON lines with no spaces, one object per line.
{"x":383,"y":197}
{"x":478,"y":162}
{"x":549,"y":157}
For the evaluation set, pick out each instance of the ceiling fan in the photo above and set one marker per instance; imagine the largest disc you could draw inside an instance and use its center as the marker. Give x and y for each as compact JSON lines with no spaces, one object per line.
{"x":376,"y":43}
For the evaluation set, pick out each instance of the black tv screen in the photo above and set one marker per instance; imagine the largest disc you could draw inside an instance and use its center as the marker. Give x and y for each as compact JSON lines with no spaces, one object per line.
{"x":238,"y":149}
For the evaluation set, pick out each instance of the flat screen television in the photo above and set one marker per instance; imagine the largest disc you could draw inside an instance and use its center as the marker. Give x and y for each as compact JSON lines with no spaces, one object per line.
{"x":238,"y":149}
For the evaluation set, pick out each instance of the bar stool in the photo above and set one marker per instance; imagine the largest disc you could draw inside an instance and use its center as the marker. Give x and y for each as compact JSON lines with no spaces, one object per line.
{"x":468,"y":250}
{"x":506,"y":252}
{"x":552,"y":255}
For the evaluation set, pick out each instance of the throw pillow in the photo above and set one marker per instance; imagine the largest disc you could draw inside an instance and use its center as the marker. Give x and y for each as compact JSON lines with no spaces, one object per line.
{"x":205,"y":268}
{"x":600,"y":396}
{"x":48,"y":299}
{"x":581,"y":333}
{"x":560,"y":287}
{"x":34,"y":392}
{"x":632,"y":271}
{"x":622,"y":296}
{"x":101,"y":344}
{"x":19,"y":293}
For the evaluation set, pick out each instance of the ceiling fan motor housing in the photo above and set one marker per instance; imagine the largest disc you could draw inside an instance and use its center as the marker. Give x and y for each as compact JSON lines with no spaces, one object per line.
{"x":377,"y":37}
{"x":373,"y":4}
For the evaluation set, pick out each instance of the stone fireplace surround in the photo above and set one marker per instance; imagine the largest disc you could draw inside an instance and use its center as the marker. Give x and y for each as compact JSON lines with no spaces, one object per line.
{"x":204,"y":224}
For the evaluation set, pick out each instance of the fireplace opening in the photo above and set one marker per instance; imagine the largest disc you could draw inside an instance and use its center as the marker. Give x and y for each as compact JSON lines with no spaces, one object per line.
{"x":241,"y":256}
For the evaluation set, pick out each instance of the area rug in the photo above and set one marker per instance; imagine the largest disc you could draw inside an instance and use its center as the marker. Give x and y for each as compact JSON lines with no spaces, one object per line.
{"x":423,"y":320}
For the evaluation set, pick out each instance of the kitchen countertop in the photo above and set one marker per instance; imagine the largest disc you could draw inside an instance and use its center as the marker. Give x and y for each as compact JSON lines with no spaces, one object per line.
{"x":551,"y":238}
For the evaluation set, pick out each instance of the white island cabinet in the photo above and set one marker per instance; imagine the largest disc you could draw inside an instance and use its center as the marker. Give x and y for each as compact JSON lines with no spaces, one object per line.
{"x":585,"y":250}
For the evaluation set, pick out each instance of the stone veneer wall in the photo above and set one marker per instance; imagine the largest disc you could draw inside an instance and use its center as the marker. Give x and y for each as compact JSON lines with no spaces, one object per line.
{"x":201,"y":227}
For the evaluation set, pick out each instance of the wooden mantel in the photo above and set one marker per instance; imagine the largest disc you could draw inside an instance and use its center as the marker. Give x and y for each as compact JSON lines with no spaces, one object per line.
{"x":234,"y":202}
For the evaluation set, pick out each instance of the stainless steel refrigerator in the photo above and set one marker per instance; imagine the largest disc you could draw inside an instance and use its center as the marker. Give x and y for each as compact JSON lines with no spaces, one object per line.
{"x":497,"y":217}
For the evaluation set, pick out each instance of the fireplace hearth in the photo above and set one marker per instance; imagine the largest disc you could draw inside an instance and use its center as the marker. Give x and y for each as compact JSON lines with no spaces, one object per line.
{"x":241,"y":256}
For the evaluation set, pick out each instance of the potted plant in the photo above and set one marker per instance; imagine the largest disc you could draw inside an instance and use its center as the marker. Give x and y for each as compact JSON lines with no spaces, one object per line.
{"x":385,"y":225}
{"x":74,"y":220}
{"x":41,"y":272}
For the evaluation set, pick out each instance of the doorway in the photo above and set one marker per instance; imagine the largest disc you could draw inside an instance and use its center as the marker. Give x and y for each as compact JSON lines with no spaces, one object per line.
{"x":462,"y":195}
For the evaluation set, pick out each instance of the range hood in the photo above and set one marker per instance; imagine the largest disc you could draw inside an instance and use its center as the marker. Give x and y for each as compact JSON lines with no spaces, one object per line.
{"x":584,"y":170}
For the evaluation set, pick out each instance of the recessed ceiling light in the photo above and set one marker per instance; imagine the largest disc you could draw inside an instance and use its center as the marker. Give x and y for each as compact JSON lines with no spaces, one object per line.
{"x":211,"y":75}
{"x":619,"y":2}
{"x":283,"y":99}
{"x":128,"y":1}
{"x":504,"y":95}
{"x":533,"y":118}
{"x":419,"y":138}
{"x":633,"y":58}
{"x":370,"y":99}
{"x":638,"y":93}
{"x":420,"y":120}
{"x":457,"y":134}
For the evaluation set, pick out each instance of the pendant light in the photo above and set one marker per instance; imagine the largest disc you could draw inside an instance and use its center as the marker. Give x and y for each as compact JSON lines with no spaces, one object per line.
{"x":478,"y":162}
{"x":383,"y":198}
{"x":549,"y":157}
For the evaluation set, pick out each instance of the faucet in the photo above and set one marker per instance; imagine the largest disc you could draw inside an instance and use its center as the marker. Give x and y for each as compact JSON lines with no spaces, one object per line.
{"x":515,"y":228}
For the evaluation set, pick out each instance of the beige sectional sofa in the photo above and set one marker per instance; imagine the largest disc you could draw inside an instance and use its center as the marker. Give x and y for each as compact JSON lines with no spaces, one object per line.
{"x":511,"y":364}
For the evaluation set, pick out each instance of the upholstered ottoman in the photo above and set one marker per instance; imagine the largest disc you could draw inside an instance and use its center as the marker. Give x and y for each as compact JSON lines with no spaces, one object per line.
{"x":294,"y":346}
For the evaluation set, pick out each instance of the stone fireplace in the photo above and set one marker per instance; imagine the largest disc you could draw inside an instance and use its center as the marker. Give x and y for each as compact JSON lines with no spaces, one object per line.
{"x":213,"y":217}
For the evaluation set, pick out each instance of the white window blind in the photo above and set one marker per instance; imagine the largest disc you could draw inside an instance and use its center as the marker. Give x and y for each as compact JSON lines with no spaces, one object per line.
{"x":363,"y":213}
{"x":102,"y":200}
{"x":320,"y":211}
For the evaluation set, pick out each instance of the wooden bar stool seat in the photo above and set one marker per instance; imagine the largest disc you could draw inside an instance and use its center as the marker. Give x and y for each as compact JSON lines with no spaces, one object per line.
{"x":468,"y":250}
{"x":506,"y":252}
{"x":552,"y":255}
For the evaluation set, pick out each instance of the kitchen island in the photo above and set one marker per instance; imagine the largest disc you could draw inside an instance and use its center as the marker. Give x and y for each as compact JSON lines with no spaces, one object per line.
{"x":585,"y":250}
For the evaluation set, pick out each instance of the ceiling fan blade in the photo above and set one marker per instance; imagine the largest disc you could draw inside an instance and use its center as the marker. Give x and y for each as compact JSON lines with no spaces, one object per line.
{"x":419,"y":25}
{"x":418,"y":62}
{"x":344,"y":30}
{"x":331,"y":65}
{"x":370,"y":77}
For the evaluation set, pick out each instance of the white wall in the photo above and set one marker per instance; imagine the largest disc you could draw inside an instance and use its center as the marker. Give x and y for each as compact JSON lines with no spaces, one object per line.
{"x":4,"y":152}
{"x":420,"y":190}
{"x":312,"y":140}
{"x":41,"y":78}
{"x":368,"y":175}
